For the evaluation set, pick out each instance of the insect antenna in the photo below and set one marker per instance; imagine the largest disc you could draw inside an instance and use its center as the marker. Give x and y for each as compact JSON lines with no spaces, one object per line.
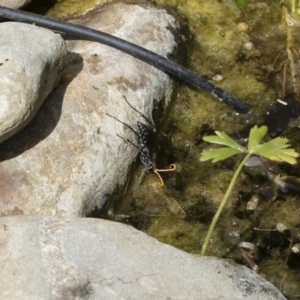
{"x":144,"y":117}
{"x":123,"y":124}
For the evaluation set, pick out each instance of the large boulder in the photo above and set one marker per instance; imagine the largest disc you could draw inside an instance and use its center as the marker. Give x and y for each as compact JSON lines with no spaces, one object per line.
{"x":31,"y":62}
{"x":71,"y":258}
{"x":69,"y":159}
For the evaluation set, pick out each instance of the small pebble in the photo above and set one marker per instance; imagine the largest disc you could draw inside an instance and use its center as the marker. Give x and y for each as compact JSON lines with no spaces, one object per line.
{"x":248,"y":45}
{"x":253,"y":202}
{"x":296,"y":248}
{"x":218,"y":78}
{"x":281,"y":227}
{"x":247,"y":246}
{"x":243,"y":26}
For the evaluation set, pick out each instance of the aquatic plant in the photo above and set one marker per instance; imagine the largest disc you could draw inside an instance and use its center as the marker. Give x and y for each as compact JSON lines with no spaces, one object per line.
{"x":276,"y":149}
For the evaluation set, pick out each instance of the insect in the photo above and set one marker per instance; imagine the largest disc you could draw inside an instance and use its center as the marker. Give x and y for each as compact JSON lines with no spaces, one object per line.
{"x":146,"y":135}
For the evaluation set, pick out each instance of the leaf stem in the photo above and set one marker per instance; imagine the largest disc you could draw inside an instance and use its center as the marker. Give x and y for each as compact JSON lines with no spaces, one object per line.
{"x":223,"y":202}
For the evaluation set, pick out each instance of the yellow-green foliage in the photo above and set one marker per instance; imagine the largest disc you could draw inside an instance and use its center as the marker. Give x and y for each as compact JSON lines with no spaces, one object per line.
{"x":276,"y":149}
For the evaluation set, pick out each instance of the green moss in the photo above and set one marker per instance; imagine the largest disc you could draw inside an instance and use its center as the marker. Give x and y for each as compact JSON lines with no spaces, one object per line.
{"x":241,"y":3}
{"x":71,"y":8}
{"x":179,"y":233}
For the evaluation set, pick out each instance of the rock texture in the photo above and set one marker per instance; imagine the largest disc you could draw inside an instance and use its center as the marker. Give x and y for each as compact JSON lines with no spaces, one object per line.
{"x":69,"y":258}
{"x":14,"y":3}
{"x":31,"y":62}
{"x":69,"y":159}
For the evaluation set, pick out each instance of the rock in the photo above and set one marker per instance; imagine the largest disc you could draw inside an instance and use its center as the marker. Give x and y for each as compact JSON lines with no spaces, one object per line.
{"x":69,"y":159}
{"x":14,"y":3}
{"x":70,"y":258}
{"x":31,"y":61}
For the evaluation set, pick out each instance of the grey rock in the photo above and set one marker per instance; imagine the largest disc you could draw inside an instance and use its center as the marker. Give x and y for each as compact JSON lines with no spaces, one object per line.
{"x":31,"y":61}
{"x":69,"y":159}
{"x":70,"y":258}
{"x":14,"y":3}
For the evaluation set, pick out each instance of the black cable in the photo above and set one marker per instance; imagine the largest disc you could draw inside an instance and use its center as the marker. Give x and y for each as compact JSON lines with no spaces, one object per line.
{"x":143,"y":54}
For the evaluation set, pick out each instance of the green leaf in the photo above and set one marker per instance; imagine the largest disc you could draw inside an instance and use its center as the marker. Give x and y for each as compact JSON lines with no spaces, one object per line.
{"x":223,"y":139}
{"x":277,"y":150}
{"x":256,"y":135}
{"x":218,"y":154}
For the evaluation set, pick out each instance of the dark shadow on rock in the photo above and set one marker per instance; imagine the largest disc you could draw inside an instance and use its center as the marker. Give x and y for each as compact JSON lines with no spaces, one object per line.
{"x":47,"y":116}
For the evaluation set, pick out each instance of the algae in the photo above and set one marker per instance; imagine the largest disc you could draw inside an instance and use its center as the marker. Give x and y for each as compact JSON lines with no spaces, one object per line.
{"x":64,"y":9}
{"x":241,"y":46}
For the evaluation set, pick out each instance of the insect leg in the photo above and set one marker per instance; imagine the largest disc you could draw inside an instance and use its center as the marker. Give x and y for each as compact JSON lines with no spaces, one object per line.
{"x":128,"y":141}
{"x":144,"y":171}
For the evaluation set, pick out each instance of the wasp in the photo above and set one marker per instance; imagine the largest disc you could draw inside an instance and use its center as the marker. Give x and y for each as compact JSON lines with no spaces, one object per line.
{"x":146,"y":135}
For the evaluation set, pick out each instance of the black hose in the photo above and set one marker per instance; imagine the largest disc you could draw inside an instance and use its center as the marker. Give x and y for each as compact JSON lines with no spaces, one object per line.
{"x":143,"y":54}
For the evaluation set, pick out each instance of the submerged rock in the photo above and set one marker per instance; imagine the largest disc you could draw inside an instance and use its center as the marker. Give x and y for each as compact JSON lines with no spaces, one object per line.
{"x":71,"y":258}
{"x":70,"y":159}
{"x":31,"y":62}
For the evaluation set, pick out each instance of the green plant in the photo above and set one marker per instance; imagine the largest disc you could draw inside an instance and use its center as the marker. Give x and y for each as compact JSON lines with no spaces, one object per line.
{"x":276,"y":149}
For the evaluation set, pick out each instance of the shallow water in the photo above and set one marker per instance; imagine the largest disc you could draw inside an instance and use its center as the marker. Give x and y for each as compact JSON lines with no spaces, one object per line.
{"x":256,"y":56}
{"x":241,"y":47}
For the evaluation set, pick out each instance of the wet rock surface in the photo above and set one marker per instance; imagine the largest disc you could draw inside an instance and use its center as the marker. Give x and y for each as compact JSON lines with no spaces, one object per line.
{"x":69,"y":159}
{"x":71,"y":258}
{"x":31,"y":63}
